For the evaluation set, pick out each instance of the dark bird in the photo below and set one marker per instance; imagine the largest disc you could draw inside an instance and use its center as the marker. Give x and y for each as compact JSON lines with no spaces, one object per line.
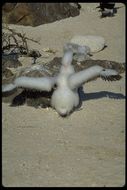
{"x":104,"y":6}
{"x":107,"y":9}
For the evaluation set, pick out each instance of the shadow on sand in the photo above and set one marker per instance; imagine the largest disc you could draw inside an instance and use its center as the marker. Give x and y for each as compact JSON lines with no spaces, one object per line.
{"x":98,"y":95}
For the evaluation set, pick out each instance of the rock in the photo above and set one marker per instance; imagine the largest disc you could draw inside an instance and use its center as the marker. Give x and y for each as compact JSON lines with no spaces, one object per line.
{"x":95,"y":43}
{"x":9,"y":61}
{"x":35,"y":14}
{"x":7,"y":7}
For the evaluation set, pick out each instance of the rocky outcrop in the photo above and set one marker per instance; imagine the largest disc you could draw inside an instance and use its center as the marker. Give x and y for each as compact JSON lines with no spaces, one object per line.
{"x":35,"y":14}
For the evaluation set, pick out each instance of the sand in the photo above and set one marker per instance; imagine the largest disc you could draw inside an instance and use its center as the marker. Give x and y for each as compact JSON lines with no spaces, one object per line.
{"x":41,"y":149}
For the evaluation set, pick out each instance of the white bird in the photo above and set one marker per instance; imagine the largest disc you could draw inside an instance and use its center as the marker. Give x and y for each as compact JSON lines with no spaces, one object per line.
{"x":80,"y":53}
{"x":65,"y":96}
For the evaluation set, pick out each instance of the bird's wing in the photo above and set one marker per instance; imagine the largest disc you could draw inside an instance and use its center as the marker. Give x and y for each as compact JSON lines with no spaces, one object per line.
{"x":40,"y":83}
{"x":77,"y":79}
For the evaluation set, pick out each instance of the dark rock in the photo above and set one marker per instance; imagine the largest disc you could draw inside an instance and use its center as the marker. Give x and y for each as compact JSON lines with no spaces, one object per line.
{"x":9,"y":62}
{"x":35,"y":14}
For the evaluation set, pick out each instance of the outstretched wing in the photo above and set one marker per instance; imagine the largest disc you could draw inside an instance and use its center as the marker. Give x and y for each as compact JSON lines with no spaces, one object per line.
{"x":40,"y":83}
{"x":77,"y":79}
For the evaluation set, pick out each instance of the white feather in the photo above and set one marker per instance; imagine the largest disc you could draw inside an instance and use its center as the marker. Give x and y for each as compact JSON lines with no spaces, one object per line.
{"x":67,"y":58}
{"x":8,"y":87}
{"x":42,"y":83}
{"x":77,"y":79}
{"x":108,"y":72}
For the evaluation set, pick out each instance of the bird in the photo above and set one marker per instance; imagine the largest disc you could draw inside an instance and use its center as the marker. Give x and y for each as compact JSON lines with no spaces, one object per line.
{"x":80,"y":52}
{"x":107,"y":9}
{"x":108,"y":5}
{"x":65,"y":97}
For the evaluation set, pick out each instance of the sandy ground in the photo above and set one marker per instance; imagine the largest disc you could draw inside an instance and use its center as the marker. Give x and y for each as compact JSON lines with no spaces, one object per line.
{"x":39,"y":148}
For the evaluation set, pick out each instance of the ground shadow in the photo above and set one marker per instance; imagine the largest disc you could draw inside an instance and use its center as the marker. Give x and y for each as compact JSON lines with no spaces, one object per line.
{"x":98,"y":95}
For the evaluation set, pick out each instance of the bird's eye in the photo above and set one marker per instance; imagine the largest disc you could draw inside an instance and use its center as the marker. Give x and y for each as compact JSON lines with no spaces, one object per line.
{"x":103,"y":69}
